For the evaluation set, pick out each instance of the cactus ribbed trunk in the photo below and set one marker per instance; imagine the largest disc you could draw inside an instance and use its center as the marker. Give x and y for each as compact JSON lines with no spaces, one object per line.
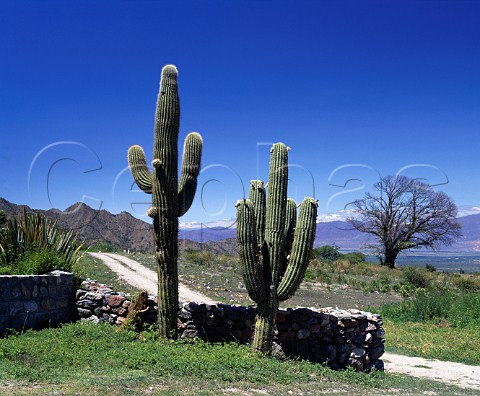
{"x":273,"y":247}
{"x":265,"y":324}
{"x":169,"y":199}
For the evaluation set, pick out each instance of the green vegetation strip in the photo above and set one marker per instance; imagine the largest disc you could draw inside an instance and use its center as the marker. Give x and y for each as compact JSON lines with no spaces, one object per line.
{"x":436,"y":341}
{"x":94,"y":359}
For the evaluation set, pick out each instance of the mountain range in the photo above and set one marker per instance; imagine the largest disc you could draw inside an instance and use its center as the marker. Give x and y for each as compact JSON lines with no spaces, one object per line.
{"x":127,"y":232}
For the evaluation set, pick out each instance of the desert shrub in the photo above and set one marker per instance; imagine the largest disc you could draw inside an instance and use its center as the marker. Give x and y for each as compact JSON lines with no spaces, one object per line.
{"x":40,"y":262}
{"x":203,"y":258}
{"x":430,"y":268}
{"x":416,"y":277}
{"x":354,"y":257}
{"x":467,"y":284}
{"x":327,"y":252}
{"x":105,"y":247}
{"x":341,"y":266}
{"x":319,"y":271}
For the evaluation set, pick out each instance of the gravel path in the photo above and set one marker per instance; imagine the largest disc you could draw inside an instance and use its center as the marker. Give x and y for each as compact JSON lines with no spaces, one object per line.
{"x":144,"y":278}
{"x":458,"y":374}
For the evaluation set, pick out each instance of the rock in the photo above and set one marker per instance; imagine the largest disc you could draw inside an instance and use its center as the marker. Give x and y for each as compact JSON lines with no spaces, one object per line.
{"x":120,"y":311}
{"x":184,"y":315}
{"x":191,"y":306}
{"x":189,"y":333}
{"x":114,"y":300}
{"x":302,"y":334}
{"x":357,"y":353}
{"x":93,"y":296}
{"x":277,"y":351}
{"x":30,"y":306}
{"x":378,"y":365}
{"x":377,"y":352}
{"x":87,"y":304}
{"x":280,"y":318}
{"x":357,"y":364}
{"x":287,"y":336}
{"x":219,"y":312}
{"x":297,"y":317}
{"x":93,"y":319}
{"x":84,"y":313}
{"x":343,"y":348}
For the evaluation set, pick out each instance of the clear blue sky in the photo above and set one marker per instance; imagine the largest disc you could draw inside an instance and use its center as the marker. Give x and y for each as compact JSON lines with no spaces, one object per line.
{"x":358,"y":89}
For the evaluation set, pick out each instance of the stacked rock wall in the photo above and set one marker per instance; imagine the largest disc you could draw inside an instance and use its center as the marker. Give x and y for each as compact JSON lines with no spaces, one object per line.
{"x":339,"y":338}
{"x":36,"y":301}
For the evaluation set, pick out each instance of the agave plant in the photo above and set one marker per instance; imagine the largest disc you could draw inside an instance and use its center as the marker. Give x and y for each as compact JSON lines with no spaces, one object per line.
{"x":33,"y":232}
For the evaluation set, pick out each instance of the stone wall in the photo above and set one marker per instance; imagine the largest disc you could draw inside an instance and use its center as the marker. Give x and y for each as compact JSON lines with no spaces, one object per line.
{"x":339,"y":338}
{"x":36,"y":301}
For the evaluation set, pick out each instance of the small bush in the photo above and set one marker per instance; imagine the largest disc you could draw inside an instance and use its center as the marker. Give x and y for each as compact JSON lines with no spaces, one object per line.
{"x":327,"y":252}
{"x":203,"y":258}
{"x":430,"y":268}
{"x":416,"y":277}
{"x":354,"y":257}
{"x":467,"y":284}
{"x":41,"y":262}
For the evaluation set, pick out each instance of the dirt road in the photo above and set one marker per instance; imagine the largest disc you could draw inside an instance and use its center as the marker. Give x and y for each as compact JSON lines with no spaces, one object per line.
{"x":458,"y":374}
{"x":143,"y":278}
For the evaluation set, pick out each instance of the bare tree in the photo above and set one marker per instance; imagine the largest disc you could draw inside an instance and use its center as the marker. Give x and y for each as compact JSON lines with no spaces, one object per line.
{"x":405,"y":214}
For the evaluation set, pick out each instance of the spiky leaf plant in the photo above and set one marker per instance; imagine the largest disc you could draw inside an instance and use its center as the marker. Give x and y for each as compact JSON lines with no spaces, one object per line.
{"x":33,"y":234}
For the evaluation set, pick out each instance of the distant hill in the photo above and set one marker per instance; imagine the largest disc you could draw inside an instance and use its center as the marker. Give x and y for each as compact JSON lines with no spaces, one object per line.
{"x":122,"y":231}
{"x":127,"y":232}
{"x":95,"y":226}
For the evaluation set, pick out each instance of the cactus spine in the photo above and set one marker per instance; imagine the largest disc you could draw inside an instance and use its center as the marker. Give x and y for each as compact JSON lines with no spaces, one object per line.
{"x":274,"y":247}
{"x":170,"y":198}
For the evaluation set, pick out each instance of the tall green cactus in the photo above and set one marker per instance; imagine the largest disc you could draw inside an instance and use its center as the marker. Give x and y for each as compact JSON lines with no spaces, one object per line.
{"x":170,"y":199}
{"x":274,"y":246}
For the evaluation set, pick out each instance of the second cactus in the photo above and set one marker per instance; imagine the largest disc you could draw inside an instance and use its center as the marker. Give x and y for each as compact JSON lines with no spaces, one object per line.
{"x":274,"y":246}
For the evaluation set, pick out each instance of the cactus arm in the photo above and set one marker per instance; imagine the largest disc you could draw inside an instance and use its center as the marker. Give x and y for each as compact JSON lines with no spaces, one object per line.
{"x":258,"y":198}
{"x":138,"y":167}
{"x":302,"y":246}
{"x":192,"y":155}
{"x":276,"y":209}
{"x":291,"y":221}
{"x":247,"y":248}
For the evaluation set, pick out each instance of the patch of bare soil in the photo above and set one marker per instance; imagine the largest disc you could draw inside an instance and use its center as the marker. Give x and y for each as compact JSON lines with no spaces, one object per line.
{"x":459,"y":374}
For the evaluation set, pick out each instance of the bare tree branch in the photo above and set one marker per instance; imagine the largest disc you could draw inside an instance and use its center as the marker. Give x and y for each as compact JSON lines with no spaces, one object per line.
{"x":405,"y":214}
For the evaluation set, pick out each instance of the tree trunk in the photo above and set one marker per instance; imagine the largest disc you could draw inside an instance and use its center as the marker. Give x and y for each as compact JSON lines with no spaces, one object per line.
{"x":390,"y":257}
{"x":264,"y":325}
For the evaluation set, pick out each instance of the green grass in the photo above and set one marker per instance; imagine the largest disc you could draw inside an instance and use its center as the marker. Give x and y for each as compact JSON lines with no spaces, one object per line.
{"x":438,"y":306}
{"x":92,"y":268}
{"x":439,"y":323}
{"x":93,"y":359}
{"x":433,"y":340}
